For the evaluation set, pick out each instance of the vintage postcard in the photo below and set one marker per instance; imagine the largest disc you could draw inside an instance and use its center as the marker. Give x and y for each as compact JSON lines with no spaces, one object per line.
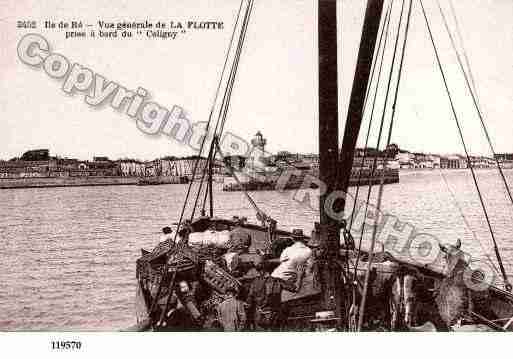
{"x":255,"y":166}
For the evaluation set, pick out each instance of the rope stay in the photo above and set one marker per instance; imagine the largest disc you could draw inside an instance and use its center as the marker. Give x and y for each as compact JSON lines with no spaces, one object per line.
{"x":380,"y":49}
{"x":380,"y":194}
{"x":460,"y":131}
{"x":386,"y":22}
{"x":203,"y":141}
{"x":465,"y":221}
{"x":223,"y":108}
{"x":236,"y":64}
{"x":368,"y":135}
{"x":166,"y":267}
{"x":229,"y":84}
{"x":472,"y":90}
{"x":460,"y":37}
{"x":262,"y":216}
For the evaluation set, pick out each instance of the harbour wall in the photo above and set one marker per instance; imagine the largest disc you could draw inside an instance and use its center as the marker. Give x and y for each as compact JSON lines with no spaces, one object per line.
{"x":43,"y":182}
{"x":298,"y":182}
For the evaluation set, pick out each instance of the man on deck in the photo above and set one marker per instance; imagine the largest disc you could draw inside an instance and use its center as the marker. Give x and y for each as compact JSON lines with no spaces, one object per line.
{"x":293,"y":262}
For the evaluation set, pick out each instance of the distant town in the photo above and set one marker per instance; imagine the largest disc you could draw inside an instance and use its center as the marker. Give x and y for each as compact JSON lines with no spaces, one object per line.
{"x":39,"y":163}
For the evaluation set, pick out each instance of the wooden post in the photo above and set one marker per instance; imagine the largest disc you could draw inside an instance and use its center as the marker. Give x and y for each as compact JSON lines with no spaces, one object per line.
{"x":328,"y":153}
{"x":356,"y":102}
{"x":335,"y":172}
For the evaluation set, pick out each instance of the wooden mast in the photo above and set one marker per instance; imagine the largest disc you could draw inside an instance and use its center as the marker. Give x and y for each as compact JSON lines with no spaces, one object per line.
{"x":335,"y":172}
{"x":356,"y":102}
{"x":328,"y":99}
{"x":328,"y":154}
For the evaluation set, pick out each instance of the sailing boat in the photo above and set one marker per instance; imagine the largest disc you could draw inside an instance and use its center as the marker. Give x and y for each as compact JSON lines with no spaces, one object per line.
{"x":179,"y":285}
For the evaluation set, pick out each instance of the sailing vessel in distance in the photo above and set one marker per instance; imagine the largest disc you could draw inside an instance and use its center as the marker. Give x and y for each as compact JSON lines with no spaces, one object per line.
{"x":344,"y":286}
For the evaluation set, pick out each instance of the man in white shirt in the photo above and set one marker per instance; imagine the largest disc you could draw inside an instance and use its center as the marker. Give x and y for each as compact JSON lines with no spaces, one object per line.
{"x":293,"y":261}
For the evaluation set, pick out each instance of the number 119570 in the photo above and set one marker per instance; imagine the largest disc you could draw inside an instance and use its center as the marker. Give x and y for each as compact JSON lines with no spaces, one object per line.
{"x":66,"y":345}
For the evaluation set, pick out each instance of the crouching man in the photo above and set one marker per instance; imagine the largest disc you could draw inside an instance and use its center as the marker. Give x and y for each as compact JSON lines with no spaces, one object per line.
{"x":293,"y":261}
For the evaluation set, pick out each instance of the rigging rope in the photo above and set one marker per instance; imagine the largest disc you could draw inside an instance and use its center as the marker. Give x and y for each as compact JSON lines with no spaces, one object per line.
{"x":368,"y":135}
{"x":384,"y":30}
{"x":166,"y":266}
{"x":460,"y":131}
{"x":196,"y":164}
{"x":476,"y":105}
{"x":386,"y":22}
{"x":262,"y":215}
{"x":467,"y":62}
{"x":467,"y":224}
{"x":229,"y":86}
{"x":227,"y":56}
{"x":204,"y":172}
{"x":228,"y":94}
{"x":236,"y":63}
{"x":380,"y":194}
{"x":209,"y":184}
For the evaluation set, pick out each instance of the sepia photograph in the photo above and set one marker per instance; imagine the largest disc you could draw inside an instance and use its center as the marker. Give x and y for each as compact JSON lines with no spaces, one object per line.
{"x":255,"y":166}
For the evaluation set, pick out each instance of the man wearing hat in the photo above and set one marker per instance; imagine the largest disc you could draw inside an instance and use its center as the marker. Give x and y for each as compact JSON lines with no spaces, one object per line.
{"x":293,"y":261}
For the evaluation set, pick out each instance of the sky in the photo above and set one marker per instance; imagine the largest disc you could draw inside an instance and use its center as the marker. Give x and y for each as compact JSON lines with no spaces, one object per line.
{"x":276,"y":86}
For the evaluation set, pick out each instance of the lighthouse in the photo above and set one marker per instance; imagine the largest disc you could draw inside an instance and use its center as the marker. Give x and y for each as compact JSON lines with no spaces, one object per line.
{"x":259,"y":142}
{"x":258,"y":152}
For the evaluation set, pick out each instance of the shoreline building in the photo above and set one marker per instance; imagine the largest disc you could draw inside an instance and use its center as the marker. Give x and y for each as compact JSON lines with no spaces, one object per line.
{"x":505,"y":159}
{"x":39,"y":163}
